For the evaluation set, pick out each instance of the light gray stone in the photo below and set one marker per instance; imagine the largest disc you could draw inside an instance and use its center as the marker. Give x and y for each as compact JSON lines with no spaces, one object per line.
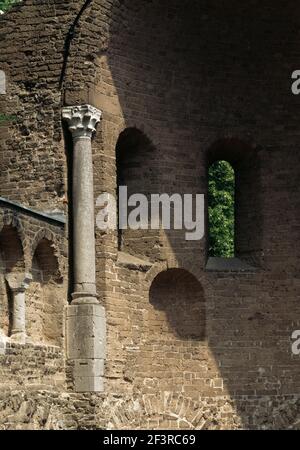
{"x":85,"y":317}
{"x":86,"y":345}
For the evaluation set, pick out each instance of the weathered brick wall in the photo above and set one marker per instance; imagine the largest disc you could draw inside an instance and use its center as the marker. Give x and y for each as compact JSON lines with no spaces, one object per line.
{"x":32,"y":367}
{"x":33,"y":158}
{"x":42,"y":409}
{"x":41,"y":361}
{"x":188,"y":75}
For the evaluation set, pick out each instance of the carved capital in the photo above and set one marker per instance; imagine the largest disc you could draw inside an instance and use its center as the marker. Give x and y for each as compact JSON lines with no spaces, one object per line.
{"x":18,"y":282}
{"x":82,"y":120}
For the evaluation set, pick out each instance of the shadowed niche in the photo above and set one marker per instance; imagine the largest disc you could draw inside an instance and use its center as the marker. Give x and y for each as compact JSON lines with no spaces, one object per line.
{"x":44,"y":300}
{"x":45,"y":264}
{"x":11,"y":261}
{"x":180,"y":296}
{"x":135,"y":156}
{"x":11,"y":248}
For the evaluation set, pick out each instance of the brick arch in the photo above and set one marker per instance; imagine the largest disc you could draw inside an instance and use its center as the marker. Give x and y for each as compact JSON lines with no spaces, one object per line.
{"x":131,"y":141}
{"x":162,"y":266}
{"x":233,"y":149}
{"x":154,"y":271}
{"x":144,"y":128}
{"x":170,"y":410}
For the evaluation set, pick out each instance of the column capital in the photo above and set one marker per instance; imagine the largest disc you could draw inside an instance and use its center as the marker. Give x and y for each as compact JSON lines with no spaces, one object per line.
{"x":18,"y":282}
{"x":82,"y":120}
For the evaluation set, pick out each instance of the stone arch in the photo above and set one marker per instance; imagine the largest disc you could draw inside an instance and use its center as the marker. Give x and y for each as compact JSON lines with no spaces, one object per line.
{"x":244,"y":159}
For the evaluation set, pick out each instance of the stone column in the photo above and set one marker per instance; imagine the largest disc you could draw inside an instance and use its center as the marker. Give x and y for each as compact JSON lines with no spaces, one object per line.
{"x":18,"y":284}
{"x":85,"y":318}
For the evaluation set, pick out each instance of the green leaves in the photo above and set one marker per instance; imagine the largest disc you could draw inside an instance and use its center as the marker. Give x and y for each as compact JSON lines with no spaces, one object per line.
{"x":6,"y":4}
{"x":221,"y":209}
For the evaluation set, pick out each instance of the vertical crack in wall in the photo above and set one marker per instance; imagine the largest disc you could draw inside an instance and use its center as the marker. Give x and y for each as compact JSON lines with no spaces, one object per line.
{"x":68,"y":41}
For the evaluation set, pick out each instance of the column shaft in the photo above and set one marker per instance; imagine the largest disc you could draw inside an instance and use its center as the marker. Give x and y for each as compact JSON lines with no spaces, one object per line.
{"x":83,"y":219}
{"x":85,"y":317}
{"x":18,"y":315}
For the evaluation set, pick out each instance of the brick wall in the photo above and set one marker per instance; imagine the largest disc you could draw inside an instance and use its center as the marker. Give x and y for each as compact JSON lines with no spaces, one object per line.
{"x":188,"y":75}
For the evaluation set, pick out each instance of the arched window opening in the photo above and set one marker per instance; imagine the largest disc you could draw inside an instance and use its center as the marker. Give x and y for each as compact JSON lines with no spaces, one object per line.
{"x":135,"y":171}
{"x":234,"y":206}
{"x":221,"y":209}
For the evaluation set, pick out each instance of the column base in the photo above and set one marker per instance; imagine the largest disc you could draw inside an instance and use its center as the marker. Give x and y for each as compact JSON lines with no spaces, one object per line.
{"x":19,"y":337}
{"x":86,"y":335}
{"x":84,"y":298}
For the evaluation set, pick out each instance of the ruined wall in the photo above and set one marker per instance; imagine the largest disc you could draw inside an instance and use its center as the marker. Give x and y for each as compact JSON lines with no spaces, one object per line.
{"x":187,"y":75}
{"x":33,"y":159}
{"x":39,"y":362}
{"x":32,"y":367}
{"x":49,"y":410}
{"x":190,"y":75}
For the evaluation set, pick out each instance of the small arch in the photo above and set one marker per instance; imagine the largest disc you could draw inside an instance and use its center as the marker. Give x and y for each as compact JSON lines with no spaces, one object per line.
{"x":179,"y":296}
{"x":41,"y":234}
{"x":231,"y":149}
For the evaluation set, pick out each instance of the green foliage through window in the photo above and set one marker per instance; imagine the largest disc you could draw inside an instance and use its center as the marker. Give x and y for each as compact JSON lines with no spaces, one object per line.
{"x":6,"y":4}
{"x":221,"y":185}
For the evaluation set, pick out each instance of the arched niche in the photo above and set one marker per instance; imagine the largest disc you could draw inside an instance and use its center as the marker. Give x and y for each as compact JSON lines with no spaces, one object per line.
{"x":178,"y":306}
{"x":11,"y":262}
{"x":45,"y":297}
